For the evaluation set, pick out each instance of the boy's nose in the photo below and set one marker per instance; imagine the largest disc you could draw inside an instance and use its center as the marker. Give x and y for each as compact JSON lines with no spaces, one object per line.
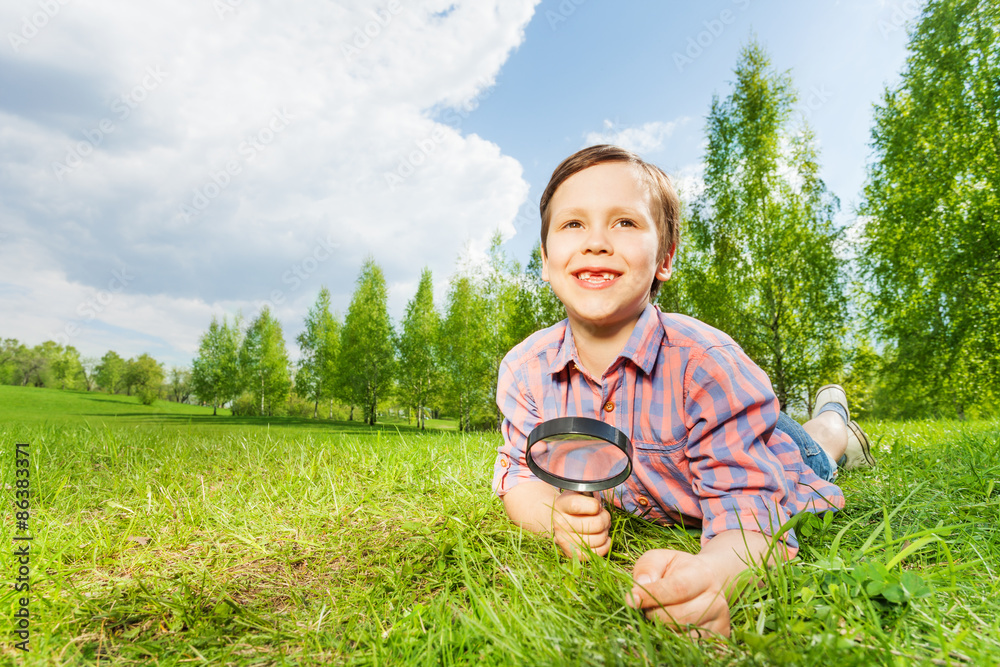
{"x":597,"y":241}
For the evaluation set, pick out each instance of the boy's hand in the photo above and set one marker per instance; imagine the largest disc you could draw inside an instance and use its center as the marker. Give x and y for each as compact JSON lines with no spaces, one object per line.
{"x":579,"y":519}
{"x":682,"y":590}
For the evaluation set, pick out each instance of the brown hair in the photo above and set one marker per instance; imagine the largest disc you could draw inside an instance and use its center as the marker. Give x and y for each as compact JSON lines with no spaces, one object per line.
{"x":666,"y":204}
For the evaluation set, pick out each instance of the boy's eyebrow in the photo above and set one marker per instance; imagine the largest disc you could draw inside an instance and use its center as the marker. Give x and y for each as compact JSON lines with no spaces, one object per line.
{"x":580,"y":213}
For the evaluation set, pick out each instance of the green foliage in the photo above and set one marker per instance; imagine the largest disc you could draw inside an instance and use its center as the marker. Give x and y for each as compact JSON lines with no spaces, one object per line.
{"x":419,"y":363}
{"x":179,"y":388}
{"x":67,"y":369}
{"x":545,"y":308}
{"x":366,"y":365}
{"x":145,"y":374}
{"x":320,"y":346}
{"x":759,"y":261}
{"x":264,"y":363}
{"x":111,"y":372}
{"x":931,"y":246}
{"x":465,"y":350}
{"x":9,"y":349}
{"x":215,"y":372}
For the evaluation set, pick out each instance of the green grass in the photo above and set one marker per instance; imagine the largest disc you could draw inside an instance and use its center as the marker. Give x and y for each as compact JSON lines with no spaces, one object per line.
{"x":298,"y":542}
{"x":31,"y":404}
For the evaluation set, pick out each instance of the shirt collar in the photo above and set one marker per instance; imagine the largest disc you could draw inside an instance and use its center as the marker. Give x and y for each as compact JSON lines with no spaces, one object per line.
{"x":641,"y":348}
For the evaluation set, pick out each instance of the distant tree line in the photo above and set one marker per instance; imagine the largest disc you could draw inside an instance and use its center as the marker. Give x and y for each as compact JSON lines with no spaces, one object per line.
{"x":61,"y":367}
{"x":359,"y":366}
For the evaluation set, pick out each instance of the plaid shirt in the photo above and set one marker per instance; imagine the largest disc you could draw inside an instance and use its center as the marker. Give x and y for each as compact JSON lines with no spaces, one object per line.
{"x":701,"y":416}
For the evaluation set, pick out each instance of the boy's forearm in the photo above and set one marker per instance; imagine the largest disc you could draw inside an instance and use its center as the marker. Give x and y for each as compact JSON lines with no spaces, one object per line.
{"x":529,"y":505}
{"x":731,"y":552}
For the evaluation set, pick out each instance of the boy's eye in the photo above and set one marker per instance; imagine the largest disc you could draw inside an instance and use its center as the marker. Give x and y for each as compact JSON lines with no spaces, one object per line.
{"x":573,"y":224}
{"x":625,"y":222}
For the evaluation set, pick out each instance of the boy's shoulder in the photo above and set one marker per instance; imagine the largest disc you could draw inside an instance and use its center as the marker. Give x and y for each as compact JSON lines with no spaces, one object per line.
{"x":686,"y":331}
{"x":545,"y":343}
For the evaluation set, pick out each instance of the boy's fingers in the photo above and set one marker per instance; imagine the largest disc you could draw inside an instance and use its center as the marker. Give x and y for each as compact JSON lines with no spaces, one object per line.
{"x":578,"y":504}
{"x":698,"y":619}
{"x":573,"y":544}
{"x":587,"y":524}
{"x":653,"y":585}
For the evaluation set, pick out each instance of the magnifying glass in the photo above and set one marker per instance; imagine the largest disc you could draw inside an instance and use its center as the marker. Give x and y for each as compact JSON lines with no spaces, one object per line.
{"x":579,"y":454}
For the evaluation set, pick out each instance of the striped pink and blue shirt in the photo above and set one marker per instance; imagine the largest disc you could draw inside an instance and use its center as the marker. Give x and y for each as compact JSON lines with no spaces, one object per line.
{"x":701,"y":416}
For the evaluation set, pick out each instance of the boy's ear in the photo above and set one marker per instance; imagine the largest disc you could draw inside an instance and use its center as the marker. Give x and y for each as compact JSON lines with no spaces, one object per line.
{"x":666,"y":268}
{"x":545,"y":266}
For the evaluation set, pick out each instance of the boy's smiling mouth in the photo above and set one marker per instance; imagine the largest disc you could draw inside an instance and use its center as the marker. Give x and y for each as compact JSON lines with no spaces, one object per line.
{"x":596,"y":277}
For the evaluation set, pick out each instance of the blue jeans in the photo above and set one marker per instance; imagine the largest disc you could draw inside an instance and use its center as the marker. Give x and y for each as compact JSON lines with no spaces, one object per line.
{"x":812,"y":453}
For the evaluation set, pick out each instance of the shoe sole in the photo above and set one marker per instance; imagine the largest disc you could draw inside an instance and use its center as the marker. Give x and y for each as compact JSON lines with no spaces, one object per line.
{"x":842,"y":391}
{"x":866,"y":445}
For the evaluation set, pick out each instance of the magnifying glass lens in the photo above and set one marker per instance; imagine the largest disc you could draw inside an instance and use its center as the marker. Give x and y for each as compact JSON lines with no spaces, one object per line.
{"x":579,"y":454}
{"x":578,"y":457}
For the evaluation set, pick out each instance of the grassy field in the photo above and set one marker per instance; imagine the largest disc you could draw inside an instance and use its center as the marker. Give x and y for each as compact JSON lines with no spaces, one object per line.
{"x":166,"y":536}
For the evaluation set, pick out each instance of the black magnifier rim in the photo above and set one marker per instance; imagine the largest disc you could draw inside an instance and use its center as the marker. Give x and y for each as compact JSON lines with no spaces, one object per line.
{"x":580,"y":426}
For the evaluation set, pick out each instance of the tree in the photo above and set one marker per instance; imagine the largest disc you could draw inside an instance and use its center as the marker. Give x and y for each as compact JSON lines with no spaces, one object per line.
{"x":146,"y":374}
{"x":761,"y":264}
{"x":10,"y":349}
{"x":66,"y":367}
{"x":180,"y":385}
{"x":34,"y":364}
{"x":89,"y":366}
{"x":111,"y":372}
{"x":464,"y":346}
{"x":545,"y":304}
{"x":264,"y":362}
{"x":419,"y":374}
{"x":931,"y":241}
{"x":366,"y":363}
{"x":320,"y":345}
{"x":215,"y":373}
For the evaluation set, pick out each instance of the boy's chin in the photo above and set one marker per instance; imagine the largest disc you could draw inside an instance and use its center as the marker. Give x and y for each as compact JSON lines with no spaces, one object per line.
{"x":610,"y":320}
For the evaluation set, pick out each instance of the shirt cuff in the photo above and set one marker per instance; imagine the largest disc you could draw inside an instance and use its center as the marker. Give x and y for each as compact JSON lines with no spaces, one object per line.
{"x":748,"y":513}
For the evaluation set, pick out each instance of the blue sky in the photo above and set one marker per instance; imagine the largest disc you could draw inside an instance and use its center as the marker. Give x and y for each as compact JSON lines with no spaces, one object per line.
{"x":163,"y":162}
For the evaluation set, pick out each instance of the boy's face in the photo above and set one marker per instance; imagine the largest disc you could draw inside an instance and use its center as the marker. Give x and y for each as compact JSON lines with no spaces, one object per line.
{"x":601,"y":249}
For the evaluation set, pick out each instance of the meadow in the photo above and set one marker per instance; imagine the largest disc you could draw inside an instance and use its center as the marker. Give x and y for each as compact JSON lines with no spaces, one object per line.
{"x":163,"y":535}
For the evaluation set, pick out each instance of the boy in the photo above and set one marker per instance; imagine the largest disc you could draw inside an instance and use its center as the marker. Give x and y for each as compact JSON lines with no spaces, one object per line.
{"x":709,"y":444}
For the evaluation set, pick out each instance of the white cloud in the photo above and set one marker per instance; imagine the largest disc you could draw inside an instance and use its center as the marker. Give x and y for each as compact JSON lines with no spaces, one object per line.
{"x":642,"y":139}
{"x":281,"y":122}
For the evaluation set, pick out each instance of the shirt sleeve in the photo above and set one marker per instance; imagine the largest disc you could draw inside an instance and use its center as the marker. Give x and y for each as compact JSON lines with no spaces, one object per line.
{"x":731,"y":411}
{"x":520,"y":417}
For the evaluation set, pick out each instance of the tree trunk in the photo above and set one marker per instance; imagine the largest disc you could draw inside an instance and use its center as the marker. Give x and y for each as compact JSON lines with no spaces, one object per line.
{"x":316,"y":410}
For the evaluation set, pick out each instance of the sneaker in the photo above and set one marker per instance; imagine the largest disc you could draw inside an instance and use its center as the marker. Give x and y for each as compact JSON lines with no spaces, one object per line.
{"x":830,"y":393}
{"x":858,"y":454}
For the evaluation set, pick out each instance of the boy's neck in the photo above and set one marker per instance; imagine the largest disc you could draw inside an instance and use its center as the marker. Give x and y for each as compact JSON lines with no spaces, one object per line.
{"x":597,"y":347}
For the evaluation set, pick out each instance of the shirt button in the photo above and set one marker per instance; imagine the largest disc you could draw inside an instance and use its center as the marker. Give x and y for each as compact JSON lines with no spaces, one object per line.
{"x":504,"y":463}
{"x":644,"y":501}
{"x":609,"y":406}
